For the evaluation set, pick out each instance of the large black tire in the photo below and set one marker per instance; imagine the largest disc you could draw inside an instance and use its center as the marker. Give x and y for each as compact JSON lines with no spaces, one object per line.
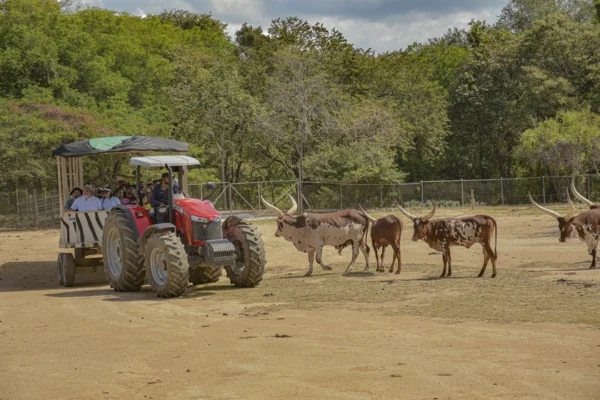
{"x":123,"y":266}
{"x":59,"y":264}
{"x":68,"y":270}
{"x":166,"y":264}
{"x":204,"y":274}
{"x":250,"y":255}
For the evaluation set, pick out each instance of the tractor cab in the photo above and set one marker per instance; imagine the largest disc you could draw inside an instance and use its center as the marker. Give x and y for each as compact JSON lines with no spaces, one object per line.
{"x":180,"y":240}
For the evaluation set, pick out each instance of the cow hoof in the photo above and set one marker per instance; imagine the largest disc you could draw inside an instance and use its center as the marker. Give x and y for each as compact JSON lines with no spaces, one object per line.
{"x":327,"y":268}
{"x":308,"y":274}
{"x":593,"y":267}
{"x":397,"y":272}
{"x":494,"y":275}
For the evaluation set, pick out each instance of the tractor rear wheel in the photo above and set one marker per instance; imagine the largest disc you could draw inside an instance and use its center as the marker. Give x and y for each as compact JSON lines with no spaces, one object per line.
{"x":204,"y":274}
{"x":123,"y":266}
{"x":250,"y":261}
{"x":68,"y":270}
{"x":166,"y":264}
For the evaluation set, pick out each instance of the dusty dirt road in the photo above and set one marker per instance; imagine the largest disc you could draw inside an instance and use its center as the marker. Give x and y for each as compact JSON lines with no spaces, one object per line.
{"x":531,"y":333}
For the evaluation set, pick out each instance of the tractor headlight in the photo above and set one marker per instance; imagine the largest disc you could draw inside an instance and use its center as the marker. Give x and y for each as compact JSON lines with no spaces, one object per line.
{"x":200,"y":219}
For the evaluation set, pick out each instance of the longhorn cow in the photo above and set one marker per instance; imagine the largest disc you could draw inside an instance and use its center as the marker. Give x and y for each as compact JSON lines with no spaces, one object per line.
{"x":586,"y":223}
{"x":311,"y":232}
{"x":443,"y":233}
{"x":386,"y":231}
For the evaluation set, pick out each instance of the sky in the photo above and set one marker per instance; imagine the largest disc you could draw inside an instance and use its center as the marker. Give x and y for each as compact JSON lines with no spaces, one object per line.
{"x":382,"y":25}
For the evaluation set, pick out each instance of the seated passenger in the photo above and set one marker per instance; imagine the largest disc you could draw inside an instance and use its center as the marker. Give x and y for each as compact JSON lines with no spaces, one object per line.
{"x":75,"y":193}
{"x":87,"y":202}
{"x":108,"y":200}
{"x":129,"y":197}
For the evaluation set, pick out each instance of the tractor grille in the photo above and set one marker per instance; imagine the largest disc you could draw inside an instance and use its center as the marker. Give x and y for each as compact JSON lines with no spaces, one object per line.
{"x":208,"y":231}
{"x":219,"y":252}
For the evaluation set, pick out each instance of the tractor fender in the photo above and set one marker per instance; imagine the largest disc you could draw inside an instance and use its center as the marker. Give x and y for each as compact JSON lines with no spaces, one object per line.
{"x":234,"y":219}
{"x":137,"y":223}
{"x":151,"y":230}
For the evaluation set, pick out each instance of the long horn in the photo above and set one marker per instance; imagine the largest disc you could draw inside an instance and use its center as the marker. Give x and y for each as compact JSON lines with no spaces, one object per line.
{"x":432,"y":212}
{"x":572,"y":210}
{"x":294,"y":205}
{"x":406,"y":213}
{"x":272,"y":207}
{"x":543,"y":209}
{"x":579,"y":196}
{"x":367,"y":215}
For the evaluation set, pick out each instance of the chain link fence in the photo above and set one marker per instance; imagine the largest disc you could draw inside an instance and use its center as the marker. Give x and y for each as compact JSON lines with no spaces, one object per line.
{"x":28,"y":208}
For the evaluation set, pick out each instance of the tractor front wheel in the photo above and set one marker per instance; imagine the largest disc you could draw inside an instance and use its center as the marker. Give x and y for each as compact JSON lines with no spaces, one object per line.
{"x":123,"y":265}
{"x":166,"y":264}
{"x":200,"y":274}
{"x":249,"y":266}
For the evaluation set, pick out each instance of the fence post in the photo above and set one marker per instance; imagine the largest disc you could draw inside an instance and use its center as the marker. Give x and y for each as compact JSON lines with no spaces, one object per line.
{"x":45,"y":208}
{"x":472,"y":199}
{"x":35,"y":208}
{"x":544,"y":189}
{"x":589,"y":186}
{"x":229,"y":198}
{"x":502,"y":189}
{"x":341,"y":198}
{"x":17,"y":200}
{"x":462,"y":192}
{"x":422,"y":194}
{"x":27,"y":220}
{"x":259,"y":202}
{"x":380,"y":196}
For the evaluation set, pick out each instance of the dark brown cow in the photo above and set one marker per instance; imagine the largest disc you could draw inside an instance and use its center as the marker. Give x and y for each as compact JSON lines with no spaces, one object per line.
{"x":311,"y":232}
{"x":443,"y":233}
{"x":587,"y":224}
{"x":385,"y":232}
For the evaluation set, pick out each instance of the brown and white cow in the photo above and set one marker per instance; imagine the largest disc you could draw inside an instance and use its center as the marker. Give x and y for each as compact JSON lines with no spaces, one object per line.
{"x":386,"y":231}
{"x":311,"y":232}
{"x":443,"y":233}
{"x":587,"y":224}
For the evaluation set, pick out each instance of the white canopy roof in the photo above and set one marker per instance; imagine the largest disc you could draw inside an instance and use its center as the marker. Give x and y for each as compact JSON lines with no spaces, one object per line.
{"x":160,"y":161}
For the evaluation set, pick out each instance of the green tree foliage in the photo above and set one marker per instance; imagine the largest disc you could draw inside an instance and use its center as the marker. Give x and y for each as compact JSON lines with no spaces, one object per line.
{"x":296,"y":99}
{"x":567,"y":144}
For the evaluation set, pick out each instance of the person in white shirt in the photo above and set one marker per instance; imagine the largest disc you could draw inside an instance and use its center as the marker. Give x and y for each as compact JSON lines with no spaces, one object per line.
{"x":108,"y":200}
{"x":87,"y":202}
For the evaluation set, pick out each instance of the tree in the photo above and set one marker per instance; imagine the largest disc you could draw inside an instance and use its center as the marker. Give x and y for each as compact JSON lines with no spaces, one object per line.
{"x":520,"y":15}
{"x":567,"y":144}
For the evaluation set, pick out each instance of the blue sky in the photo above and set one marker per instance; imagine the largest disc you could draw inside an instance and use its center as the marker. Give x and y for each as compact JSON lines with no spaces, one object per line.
{"x":379,"y":24}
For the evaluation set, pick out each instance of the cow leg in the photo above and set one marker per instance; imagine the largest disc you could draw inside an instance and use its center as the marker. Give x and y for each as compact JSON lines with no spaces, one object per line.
{"x":376,"y":255}
{"x":445,"y":259}
{"x":320,"y":256}
{"x":396,"y":257}
{"x":486,"y":258}
{"x":593,"y":266}
{"x":382,"y":269}
{"x":354,"y":256}
{"x":449,"y":258}
{"x":365,"y":250}
{"x":311,"y":260}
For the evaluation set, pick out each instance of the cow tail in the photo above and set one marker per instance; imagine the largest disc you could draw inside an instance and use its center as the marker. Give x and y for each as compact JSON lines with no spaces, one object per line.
{"x":366,"y":231}
{"x":496,"y":237}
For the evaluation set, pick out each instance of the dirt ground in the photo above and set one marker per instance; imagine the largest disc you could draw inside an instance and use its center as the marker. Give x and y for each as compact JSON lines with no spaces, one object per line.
{"x":531,"y":333}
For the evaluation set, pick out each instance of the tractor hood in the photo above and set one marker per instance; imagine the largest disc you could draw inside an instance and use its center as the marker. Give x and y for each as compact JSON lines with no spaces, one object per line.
{"x":197,"y":208}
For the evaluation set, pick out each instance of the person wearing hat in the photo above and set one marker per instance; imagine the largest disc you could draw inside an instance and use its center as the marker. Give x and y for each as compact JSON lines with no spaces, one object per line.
{"x":75,"y":193}
{"x":87,"y":202}
{"x":108,"y":200}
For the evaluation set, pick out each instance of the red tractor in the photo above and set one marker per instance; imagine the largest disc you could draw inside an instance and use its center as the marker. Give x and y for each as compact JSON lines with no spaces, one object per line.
{"x":169,"y":246}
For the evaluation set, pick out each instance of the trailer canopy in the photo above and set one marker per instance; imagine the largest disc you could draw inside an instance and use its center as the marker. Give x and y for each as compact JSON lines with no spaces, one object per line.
{"x":119,"y":144}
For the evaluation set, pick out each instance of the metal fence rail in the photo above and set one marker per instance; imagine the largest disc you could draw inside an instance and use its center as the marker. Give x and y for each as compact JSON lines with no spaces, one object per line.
{"x":28,"y":208}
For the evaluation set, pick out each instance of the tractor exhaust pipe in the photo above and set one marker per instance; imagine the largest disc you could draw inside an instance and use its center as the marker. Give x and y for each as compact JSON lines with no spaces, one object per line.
{"x":171,"y":207}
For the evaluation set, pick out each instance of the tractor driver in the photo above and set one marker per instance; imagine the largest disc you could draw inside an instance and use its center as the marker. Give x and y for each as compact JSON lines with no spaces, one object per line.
{"x":160,"y":193}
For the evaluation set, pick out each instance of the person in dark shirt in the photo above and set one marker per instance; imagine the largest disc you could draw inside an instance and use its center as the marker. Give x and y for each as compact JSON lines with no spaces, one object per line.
{"x":160,"y":193}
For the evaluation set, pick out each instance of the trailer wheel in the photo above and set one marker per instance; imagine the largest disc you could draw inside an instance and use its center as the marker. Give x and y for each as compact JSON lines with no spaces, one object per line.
{"x":250,"y":261}
{"x":68,"y":270}
{"x":123,"y":265}
{"x":166,"y":264}
{"x":204,"y":274}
